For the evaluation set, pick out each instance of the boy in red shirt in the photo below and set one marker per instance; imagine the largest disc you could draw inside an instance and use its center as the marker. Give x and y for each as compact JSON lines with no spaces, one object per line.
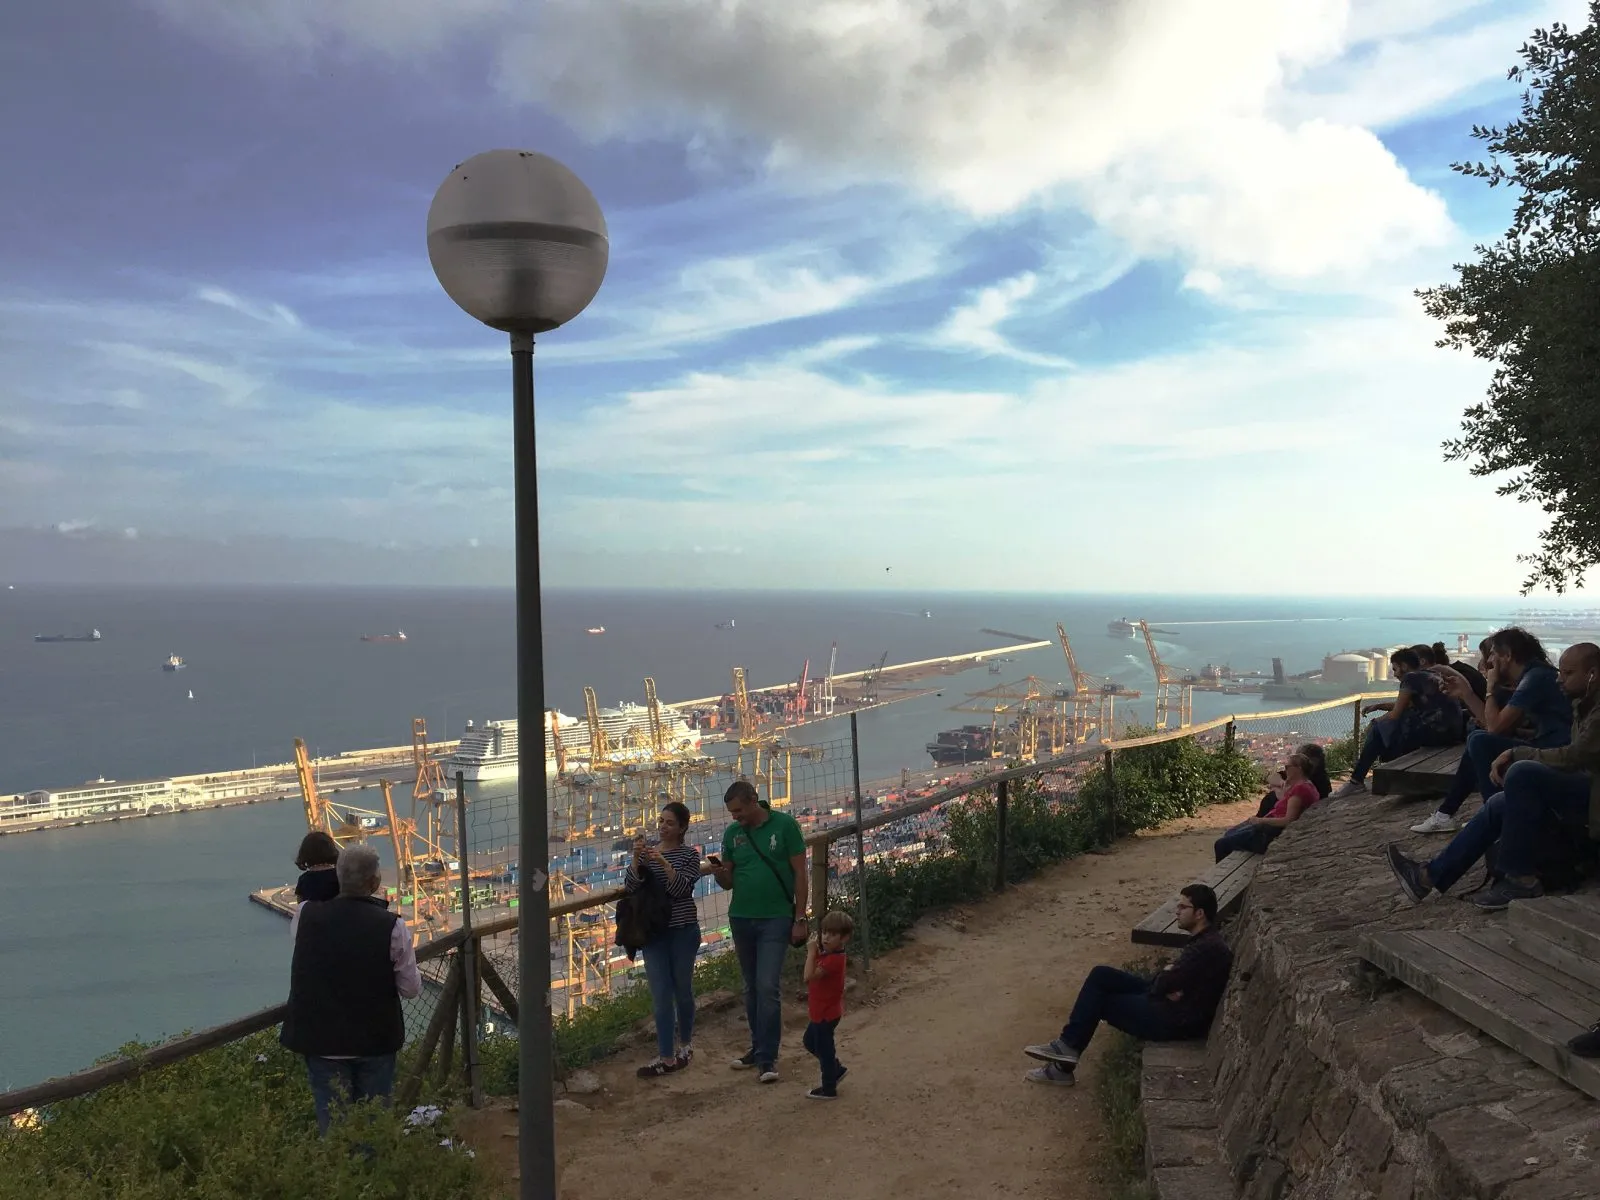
{"x":825,"y":995}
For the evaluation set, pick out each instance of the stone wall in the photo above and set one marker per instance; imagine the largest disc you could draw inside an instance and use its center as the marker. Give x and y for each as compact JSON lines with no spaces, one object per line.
{"x":1333,"y":1083}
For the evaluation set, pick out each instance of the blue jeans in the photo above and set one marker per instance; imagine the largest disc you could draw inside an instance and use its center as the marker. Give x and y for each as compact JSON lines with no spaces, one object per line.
{"x":1123,"y":1001}
{"x":819,"y":1040}
{"x":1383,"y":743}
{"x":1482,"y":749}
{"x":669,"y":969}
{"x":1245,"y":836}
{"x":1533,"y":795}
{"x":761,"y":943}
{"x":336,"y":1082}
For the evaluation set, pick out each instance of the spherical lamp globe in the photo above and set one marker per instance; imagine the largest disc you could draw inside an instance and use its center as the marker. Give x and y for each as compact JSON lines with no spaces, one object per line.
{"x":517,"y":240}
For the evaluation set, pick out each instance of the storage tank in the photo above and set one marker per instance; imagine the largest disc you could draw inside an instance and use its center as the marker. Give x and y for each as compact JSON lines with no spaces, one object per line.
{"x":1347,"y":669}
{"x":1380,"y":665}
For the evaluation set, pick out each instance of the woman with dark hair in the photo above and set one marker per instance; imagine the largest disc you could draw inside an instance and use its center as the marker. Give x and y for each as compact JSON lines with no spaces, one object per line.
{"x":669,"y":956}
{"x":1317,"y":757}
{"x":1523,"y":705}
{"x":1423,"y":714}
{"x":1473,"y":676}
{"x":316,"y":858}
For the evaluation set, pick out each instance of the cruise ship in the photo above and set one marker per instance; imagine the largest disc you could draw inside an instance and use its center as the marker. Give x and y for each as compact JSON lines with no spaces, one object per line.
{"x":1122,"y":627}
{"x":97,"y":799}
{"x":489,"y":751}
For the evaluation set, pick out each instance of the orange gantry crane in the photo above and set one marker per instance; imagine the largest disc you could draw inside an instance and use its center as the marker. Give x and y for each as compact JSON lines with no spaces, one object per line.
{"x":1025,"y":701}
{"x":1167,"y":678}
{"x":1093,"y":698}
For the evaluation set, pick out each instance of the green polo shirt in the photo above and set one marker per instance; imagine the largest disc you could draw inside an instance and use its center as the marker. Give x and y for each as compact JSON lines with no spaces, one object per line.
{"x":757,"y":890}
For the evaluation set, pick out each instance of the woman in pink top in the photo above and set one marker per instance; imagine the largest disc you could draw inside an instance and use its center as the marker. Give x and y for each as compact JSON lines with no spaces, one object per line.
{"x":1296,"y":793}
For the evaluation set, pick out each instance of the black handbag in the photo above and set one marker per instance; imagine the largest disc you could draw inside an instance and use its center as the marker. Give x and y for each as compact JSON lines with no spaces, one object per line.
{"x":642,"y":915}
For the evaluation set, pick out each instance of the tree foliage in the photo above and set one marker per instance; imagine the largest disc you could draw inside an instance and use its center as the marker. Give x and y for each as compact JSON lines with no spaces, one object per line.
{"x":1530,"y":304}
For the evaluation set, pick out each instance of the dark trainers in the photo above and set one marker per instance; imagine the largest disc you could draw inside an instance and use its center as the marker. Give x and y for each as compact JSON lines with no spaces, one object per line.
{"x":1055,"y":1051}
{"x":744,"y":1062}
{"x":661,"y":1066}
{"x":1504,"y":892}
{"x":1409,"y":874}
{"x":1587,"y":1044}
{"x":769,"y":1073}
{"x":822,"y":1093}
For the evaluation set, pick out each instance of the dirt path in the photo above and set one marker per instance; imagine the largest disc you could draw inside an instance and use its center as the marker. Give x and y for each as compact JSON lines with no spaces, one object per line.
{"x":935,"y":1104}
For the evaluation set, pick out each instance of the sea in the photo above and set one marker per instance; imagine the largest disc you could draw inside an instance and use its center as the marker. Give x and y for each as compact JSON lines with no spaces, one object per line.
{"x":141,"y":929}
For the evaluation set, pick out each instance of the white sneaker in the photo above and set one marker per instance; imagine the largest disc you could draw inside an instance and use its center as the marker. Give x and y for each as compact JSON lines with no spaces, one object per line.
{"x":1437,"y":823}
{"x":1349,"y":789}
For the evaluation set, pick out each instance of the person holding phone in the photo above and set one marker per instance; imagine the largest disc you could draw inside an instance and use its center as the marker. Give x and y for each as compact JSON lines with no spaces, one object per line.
{"x":763,"y":862}
{"x":669,"y":956}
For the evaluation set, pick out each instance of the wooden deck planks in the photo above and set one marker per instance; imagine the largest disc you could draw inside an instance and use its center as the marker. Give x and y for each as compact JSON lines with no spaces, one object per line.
{"x":1484,"y":978}
{"x":1425,"y":772}
{"x":1230,"y":879}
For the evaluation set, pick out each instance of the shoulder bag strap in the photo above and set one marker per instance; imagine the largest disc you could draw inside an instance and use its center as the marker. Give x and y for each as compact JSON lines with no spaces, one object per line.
{"x":787,"y":887}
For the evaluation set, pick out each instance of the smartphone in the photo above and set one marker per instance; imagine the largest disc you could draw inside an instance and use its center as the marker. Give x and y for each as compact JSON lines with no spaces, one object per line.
{"x":714,"y":859}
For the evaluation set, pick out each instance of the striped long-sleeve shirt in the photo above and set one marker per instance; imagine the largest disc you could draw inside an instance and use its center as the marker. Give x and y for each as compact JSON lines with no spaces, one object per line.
{"x":685,"y":862}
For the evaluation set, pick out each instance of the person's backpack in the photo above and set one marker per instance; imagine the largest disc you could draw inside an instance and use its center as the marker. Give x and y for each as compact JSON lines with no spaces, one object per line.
{"x":643,"y":916}
{"x":1563,"y":857}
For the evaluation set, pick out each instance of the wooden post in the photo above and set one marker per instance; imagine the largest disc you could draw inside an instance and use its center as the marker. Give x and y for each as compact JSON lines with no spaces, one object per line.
{"x":863,"y":929}
{"x":447,"y":1038}
{"x":819,"y":880}
{"x":497,"y":987}
{"x":469,"y":956}
{"x":1000,"y":798}
{"x":1111,"y":787}
{"x":430,"y":1039}
{"x":1227,"y":738}
{"x":1355,"y":724}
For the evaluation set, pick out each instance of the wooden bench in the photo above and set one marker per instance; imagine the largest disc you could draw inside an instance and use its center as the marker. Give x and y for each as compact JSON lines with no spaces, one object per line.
{"x":1426,"y":772}
{"x":1229,"y":879}
{"x":1531,"y":983}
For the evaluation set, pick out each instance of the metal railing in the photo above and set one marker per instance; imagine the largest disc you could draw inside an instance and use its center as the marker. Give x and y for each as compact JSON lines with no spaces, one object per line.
{"x":467,"y":969}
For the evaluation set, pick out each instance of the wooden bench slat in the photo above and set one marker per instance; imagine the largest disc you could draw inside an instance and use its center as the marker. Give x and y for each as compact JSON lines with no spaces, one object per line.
{"x":1425,"y":772}
{"x":1230,"y":879}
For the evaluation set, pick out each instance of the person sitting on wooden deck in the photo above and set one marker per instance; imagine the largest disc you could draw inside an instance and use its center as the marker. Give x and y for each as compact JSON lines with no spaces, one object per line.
{"x":1318,"y":758}
{"x":1421,"y":715}
{"x":1544,"y":789}
{"x":1296,"y":793}
{"x":1536,"y":713}
{"x":1176,"y":1004}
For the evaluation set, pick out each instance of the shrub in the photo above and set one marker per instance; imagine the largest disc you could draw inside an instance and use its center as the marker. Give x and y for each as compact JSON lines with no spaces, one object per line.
{"x":1172,"y":779}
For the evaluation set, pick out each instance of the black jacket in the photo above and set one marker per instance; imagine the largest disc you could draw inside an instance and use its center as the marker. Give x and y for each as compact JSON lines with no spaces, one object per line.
{"x":1201,"y":974}
{"x":317,"y":885}
{"x":342,"y":995}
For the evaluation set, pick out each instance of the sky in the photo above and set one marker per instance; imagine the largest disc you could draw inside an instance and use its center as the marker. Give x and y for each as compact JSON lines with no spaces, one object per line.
{"x":1088,"y":295}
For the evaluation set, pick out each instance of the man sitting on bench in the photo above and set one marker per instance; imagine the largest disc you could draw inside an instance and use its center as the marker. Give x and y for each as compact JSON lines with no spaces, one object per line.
{"x":1556,"y":785}
{"x":1177,"y":1004}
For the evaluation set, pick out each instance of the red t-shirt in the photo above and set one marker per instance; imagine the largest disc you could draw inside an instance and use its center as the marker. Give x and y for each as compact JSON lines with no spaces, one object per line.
{"x":1308,"y":795}
{"x":825,"y":992}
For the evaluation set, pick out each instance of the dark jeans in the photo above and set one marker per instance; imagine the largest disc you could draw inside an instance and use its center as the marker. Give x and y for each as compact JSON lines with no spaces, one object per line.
{"x":1245,"y":836}
{"x":669,"y":970}
{"x":761,"y":943}
{"x":1482,"y":749}
{"x":819,"y":1040}
{"x":336,"y":1082}
{"x":1123,"y":1001}
{"x":1385,"y":741}
{"x":1533,"y":795}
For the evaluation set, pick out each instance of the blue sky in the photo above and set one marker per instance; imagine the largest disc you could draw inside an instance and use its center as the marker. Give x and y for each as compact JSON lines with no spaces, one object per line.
{"x":1011,"y":293}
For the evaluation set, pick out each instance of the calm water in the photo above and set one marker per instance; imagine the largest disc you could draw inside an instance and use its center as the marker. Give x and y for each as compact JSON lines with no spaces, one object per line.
{"x":141,"y":928}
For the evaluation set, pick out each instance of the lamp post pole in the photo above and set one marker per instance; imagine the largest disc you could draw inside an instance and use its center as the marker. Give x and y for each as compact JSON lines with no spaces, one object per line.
{"x":536,"y":1097}
{"x":520,"y":243}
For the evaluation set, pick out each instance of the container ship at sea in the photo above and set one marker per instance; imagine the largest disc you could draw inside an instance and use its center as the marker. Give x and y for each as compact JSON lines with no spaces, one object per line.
{"x":92,"y":636}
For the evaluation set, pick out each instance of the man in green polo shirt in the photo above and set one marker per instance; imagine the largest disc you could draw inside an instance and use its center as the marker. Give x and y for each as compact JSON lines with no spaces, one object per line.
{"x":763,"y":862}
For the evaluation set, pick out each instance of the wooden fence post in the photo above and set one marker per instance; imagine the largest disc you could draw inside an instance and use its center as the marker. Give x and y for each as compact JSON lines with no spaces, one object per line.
{"x":1111,"y":788}
{"x":1000,"y":805}
{"x":819,"y":880}
{"x":1355,"y":730}
{"x":1227,"y":738}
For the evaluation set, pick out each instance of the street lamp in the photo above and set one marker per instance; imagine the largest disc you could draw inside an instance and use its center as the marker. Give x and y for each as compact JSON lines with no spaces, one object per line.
{"x":519,"y":242}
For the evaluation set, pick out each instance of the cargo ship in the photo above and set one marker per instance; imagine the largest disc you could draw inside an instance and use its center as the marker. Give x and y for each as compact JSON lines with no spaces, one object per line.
{"x":489,"y":751}
{"x":970,"y":743}
{"x":173,"y":663}
{"x":1122,"y":628}
{"x":399,"y":635}
{"x":92,"y":636}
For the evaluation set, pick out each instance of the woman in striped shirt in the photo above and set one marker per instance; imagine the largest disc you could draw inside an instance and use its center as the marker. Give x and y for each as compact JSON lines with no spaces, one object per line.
{"x":669,"y":956}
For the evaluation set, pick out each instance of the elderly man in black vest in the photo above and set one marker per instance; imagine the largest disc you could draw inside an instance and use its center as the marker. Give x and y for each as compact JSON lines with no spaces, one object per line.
{"x":353,"y":961}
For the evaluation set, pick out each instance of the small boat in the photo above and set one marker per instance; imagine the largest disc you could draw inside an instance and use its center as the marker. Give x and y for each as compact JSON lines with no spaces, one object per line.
{"x":728,"y":624}
{"x":596,"y":629}
{"x":92,"y":636}
{"x":927,"y":615}
{"x":191,"y":693}
{"x":173,"y":663}
{"x":398,"y":635}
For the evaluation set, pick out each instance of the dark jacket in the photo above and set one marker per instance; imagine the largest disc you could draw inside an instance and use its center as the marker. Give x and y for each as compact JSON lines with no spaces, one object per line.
{"x":342,"y":994}
{"x":1201,"y":974}
{"x":317,"y":885}
{"x":1581,"y":754}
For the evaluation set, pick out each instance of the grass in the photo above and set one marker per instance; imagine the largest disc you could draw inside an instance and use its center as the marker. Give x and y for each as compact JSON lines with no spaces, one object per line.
{"x":1117,"y":1096}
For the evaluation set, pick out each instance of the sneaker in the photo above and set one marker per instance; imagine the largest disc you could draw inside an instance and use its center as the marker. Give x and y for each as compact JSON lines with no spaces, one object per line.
{"x":1587,"y":1044}
{"x":1349,"y":789}
{"x":657,"y":1068}
{"x":1408,"y":874}
{"x":769,"y":1073}
{"x":1437,"y":823}
{"x":1052,"y":1074}
{"x":822,"y":1093}
{"x":839,"y":1078}
{"x":1504,"y":892}
{"x":684,"y":1057}
{"x":1055,"y":1051}
{"x":744,"y":1062}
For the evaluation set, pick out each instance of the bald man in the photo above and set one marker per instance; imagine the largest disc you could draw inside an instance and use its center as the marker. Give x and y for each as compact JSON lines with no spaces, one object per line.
{"x":1558,"y":784}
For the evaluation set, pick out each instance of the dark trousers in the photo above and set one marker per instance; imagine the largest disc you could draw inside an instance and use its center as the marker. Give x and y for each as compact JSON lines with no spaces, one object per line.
{"x":1123,"y":1001}
{"x":1385,"y":742}
{"x":761,"y":944}
{"x":1534,"y":795}
{"x":336,"y":1082}
{"x":819,"y":1040}
{"x":1245,"y":836}
{"x":1482,"y":749}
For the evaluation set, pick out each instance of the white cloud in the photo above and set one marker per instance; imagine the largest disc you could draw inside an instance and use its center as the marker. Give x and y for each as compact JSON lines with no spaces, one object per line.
{"x":75,"y":525}
{"x":976,"y":325}
{"x":1207,"y":283}
{"x":131,"y":533}
{"x":269,"y":314}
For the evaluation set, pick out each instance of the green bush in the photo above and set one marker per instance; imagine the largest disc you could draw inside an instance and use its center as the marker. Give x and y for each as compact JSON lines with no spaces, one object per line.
{"x":1342,"y":755}
{"x":235,"y":1123}
{"x":1154,"y":784}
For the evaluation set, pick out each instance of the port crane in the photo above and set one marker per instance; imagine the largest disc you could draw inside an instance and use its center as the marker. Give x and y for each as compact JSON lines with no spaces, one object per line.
{"x":1093,"y":698}
{"x":823,"y":701}
{"x":871,"y":678}
{"x":1023,"y":700}
{"x":1167,"y":678}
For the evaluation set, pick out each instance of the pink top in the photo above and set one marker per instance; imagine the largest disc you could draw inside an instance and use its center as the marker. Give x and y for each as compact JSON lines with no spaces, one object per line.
{"x":1307,"y":792}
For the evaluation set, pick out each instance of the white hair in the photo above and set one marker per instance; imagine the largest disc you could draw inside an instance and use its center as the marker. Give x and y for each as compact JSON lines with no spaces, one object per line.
{"x":358,"y":870}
